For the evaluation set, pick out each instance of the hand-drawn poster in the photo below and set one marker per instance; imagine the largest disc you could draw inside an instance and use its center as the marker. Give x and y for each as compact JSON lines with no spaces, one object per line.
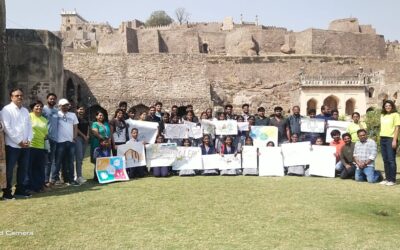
{"x":208,"y":127}
{"x":227,"y":127}
{"x":111,"y":169}
{"x":147,"y":130}
{"x":133,"y":153}
{"x":230,"y":161}
{"x":194,"y":131}
{"x":188,"y":158}
{"x":161,"y":155}
{"x":176,"y":131}
{"x":339,"y":125}
{"x":243,"y":126}
{"x":270,"y":161}
{"x":261,"y":135}
{"x":323,"y":161}
{"x":312,"y":125}
{"x":295,"y":154}
{"x":249,"y":157}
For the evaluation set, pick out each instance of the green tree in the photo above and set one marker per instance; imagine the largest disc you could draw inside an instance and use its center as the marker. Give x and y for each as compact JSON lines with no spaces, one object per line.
{"x":158,"y":18}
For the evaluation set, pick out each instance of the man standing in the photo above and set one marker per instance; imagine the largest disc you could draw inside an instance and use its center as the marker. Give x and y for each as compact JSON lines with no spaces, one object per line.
{"x":294,"y":122}
{"x":245,"y":109}
{"x":261,"y":119}
{"x":159,"y":112}
{"x":281,"y":123}
{"x":18,"y":130}
{"x":67,"y":133}
{"x":365,"y":152}
{"x":50,"y":111}
{"x":229,"y":112}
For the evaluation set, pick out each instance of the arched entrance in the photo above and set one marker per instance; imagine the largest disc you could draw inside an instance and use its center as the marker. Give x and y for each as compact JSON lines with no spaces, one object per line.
{"x":204,"y":48}
{"x":350,"y":105}
{"x":70,"y":90}
{"x":311,"y":104}
{"x":181,"y":111}
{"x":332,"y":102}
{"x":91,"y":112}
{"x":140,"y":108}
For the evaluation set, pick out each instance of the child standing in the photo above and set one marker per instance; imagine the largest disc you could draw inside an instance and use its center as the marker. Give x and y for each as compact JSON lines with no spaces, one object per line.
{"x":103,"y":150}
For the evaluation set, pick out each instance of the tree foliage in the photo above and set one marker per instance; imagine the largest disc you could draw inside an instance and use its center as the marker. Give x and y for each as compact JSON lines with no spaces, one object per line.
{"x":159,"y":18}
{"x":182,"y":16}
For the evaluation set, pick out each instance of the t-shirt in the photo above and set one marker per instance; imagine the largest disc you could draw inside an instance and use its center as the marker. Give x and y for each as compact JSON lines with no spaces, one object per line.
{"x":51,"y":114}
{"x":389,"y":123}
{"x":120,"y":131}
{"x":40,"y":130}
{"x":353,"y":128}
{"x":83,"y":125}
{"x":66,"y":122}
{"x":339,"y":145}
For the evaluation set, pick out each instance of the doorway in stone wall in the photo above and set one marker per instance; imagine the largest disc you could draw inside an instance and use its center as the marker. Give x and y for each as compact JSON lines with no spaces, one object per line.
{"x":70,"y":90}
{"x":311,"y":104}
{"x":139,"y":109}
{"x":350,"y":106}
{"x":332,"y":102}
{"x":181,"y":111}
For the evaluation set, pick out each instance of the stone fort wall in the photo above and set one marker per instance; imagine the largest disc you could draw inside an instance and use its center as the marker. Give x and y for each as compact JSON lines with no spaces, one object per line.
{"x":207,"y":81}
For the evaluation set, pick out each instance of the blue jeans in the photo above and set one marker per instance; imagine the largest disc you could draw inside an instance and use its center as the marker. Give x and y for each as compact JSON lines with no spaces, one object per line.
{"x":65,"y":155}
{"x":36,"y":172}
{"x":80,"y":147}
{"x":389,"y":158}
{"x":14,"y":156}
{"x":51,"y":160}
{"x":367,"y":174}
{"x":339,"y":166}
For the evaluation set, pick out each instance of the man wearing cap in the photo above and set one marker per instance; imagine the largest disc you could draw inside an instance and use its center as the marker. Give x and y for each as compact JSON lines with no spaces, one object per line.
{"x":18,"y":130}
{"x":65,"y":153}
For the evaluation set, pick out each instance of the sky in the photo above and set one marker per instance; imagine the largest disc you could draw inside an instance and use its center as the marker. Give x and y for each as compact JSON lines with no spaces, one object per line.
{"x":293,"y":15}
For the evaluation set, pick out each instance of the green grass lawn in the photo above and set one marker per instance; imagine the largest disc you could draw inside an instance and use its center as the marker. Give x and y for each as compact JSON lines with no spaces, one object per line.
{"x":207,"y":213}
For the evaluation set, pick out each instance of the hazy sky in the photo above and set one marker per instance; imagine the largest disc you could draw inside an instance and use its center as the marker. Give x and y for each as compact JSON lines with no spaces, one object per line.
{"x":294,"y":15}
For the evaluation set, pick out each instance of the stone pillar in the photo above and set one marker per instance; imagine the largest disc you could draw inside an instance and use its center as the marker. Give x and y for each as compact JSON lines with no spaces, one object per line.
{"x":3,"y":68}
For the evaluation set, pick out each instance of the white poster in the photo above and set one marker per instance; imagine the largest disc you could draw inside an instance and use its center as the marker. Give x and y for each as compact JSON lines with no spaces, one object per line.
{"x":211,"y":161}
{"x":323,"y":161}
{"x":188,"y":158}
{"x":270,"y":161}
{"x":295,"y":154}
{"x":312,"y":125}
{"x":147,"y":130}
{"x":226,"y":127}
{"x":230,"y":161}
{"x":208,"y":127}
{"x":339,"y":125}
{"x":176,"y":131}
{"x":249,"y":157}
{"x":161,"y":155}
{"x":194,"y":131}
{"x":243,"y":126}
{"x":133,"y":153}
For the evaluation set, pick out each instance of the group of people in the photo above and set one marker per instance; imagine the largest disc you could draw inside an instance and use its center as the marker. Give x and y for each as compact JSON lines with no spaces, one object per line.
{"x":51,"y":140}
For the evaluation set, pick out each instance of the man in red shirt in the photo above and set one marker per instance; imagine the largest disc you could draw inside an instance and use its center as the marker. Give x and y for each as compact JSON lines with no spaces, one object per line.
{"x":337,"y":142}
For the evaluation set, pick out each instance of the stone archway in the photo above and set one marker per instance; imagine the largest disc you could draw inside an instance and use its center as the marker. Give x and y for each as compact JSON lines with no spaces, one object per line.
{"x":311,"y":104}
{"x":332,"y":102}
{"x":140,"y":108}
{"x":350,"y":106}
{"x":70,"y":90}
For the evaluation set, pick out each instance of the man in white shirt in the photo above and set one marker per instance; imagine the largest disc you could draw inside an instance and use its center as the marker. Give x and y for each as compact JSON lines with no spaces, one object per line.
{"x":66,"y":135}
{"x":18,"y":130}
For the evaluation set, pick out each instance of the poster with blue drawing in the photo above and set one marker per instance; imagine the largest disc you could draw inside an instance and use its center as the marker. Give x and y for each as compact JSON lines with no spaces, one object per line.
{"x":261,"y":135}
{"x":111,"y":169}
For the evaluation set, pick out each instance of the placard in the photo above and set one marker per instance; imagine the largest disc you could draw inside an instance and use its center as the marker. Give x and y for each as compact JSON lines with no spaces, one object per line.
{"x":339,"y":125}
{"x":208,"y":127}
{"x":230,"y":161}
{"x":176,"y":131}
{"x":243,"y":126}
{"x":147,"y":130}
{"x":194,"y":131}
{"x":111,"y":169}
{"x":161,"y":154}
{"x":295,"y":154}
{"x":323,"y":161}
{"x":133,"y":153}
{"x":226,"y":127}
{"x":270,"y":161}
{"x":249,"y":157}
{"x":312,"y":125}
{"x":211,"y":161}
{"x":188,"y":158}
{"x":261,"y":135}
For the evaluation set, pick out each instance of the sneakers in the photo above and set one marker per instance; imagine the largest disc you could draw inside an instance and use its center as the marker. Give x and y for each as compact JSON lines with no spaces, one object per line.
{"x":81,"y":180}
{"x":74,"y":183}
{"x":390,"y":183}
{"x":58,"y":183}
{"x":8,"y":197}
{"x":22,"y":194}
{"x":384,"y":182}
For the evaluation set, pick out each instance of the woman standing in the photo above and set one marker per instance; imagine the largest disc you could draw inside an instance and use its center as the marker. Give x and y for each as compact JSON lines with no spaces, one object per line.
{"x":81,"y":142}
{"x":390,"y":122}
{"x":100,"y":130}
{"x":37,"y":149}
{"x":119,"y":130}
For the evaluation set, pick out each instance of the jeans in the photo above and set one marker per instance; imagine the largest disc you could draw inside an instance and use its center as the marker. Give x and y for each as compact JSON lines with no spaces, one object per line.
{"x":347,"y":173}
{"x":14,"y":156}
{"x":339,"y":166}
{"x":36,"y":171}
{"x":80,"y":148}
{"x":51,"y":160}
{"x":160,"y":171}
{"x":389,"y":158}
{"x":367,"y":174}
{"x":65,"y":155}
